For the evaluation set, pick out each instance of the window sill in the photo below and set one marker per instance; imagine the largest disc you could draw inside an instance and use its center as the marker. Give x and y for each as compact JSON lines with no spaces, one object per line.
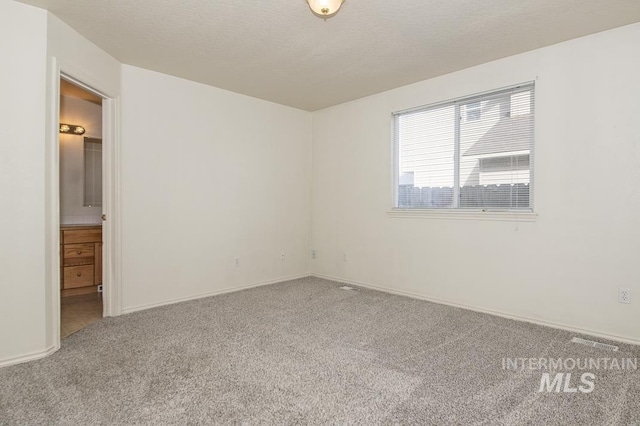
{"x":450,"y":214}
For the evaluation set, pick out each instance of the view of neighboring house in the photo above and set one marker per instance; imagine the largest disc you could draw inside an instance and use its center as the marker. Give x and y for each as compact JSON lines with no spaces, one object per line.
{"x":489,"y":137}
{"x":496,"y":136}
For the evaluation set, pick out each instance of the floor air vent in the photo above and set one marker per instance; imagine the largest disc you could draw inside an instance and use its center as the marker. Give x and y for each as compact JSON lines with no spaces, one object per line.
{"x":593,"y":344}
{"x":346,"y":287}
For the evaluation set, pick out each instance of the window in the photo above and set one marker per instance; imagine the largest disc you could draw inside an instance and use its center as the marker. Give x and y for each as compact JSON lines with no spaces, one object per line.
{"x":472,"y":153}
{"x":473,"y":111}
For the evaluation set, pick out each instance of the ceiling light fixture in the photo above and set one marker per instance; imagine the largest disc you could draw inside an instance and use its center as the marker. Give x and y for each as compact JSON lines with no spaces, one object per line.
{"x":325,"y":8}
{"x":71,"y":129}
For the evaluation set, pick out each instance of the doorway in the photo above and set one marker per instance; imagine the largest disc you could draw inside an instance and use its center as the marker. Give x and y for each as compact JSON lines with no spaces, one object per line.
{"x":107,"y":256}
{"x":80,"y":203}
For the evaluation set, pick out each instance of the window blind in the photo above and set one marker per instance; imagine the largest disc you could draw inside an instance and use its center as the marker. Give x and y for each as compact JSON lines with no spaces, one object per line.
{"x":469,"y":153}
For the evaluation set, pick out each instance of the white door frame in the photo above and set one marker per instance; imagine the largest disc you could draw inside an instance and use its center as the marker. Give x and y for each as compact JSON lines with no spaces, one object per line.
{"x":110,"y":196}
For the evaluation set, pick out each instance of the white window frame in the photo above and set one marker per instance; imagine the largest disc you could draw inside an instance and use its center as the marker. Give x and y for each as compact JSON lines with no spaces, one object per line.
{"x":457,"y":212}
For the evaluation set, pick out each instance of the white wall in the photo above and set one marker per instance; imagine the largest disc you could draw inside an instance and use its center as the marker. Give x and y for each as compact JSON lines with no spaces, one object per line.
{"x":29,"y":40}
{"x":565,"y":268}
{"x":23,"y":44}
{"x":76,"y":56}
{"x":88,"y":115}
{"x":82,"y":59}
{"x":209,"y":176}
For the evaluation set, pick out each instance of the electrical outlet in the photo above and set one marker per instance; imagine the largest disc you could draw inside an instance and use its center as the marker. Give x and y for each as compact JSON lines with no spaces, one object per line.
{"x":624,"y":295}
{"x":313,"y":254}
{"x":344,"y":256}
{"x":100,"y":288}
{"x":282,"y":257}
{"x":237,"y":262}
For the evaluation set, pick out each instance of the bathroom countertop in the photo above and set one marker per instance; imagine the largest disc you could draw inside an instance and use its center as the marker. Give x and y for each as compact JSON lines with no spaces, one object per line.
{"x":81,"y":226}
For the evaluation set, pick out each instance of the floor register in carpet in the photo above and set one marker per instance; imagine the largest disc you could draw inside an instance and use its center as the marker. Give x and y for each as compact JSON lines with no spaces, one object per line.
{"x":309,"y":352}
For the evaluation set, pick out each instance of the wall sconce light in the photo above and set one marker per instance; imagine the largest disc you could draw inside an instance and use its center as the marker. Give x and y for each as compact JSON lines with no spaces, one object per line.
{"x":71,"y":129}
{"x":325,"y":8}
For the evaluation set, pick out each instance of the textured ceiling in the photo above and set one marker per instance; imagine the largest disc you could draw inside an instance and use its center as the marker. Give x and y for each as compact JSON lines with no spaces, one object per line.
{"x":279,"y":51}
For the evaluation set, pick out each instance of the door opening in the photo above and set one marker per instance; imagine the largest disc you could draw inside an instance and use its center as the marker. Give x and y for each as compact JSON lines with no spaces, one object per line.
{"x":81,"y":207}
{"x":86,"y":251}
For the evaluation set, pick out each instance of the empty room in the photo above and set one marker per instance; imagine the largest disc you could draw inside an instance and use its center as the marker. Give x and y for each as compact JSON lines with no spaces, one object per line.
{"x":420,"y":212}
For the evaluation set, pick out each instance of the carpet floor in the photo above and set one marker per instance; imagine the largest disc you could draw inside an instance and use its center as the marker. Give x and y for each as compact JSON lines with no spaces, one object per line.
{"x":308,"y":352}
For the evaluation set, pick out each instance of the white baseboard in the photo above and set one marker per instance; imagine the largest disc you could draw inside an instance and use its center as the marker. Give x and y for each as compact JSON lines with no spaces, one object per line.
{"x":32,"y":356}
{"x":41,"y":354}
{"x":211,"y":293}
{"x":551,"y":324}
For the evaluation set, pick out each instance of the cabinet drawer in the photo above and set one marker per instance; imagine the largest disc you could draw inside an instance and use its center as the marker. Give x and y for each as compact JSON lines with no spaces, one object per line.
{"x":75,"y":236}
{"x":78,"y":254}
{"x":78,"y":276}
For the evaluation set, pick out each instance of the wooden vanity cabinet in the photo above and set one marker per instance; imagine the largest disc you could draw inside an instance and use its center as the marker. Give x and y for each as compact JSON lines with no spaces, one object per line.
{"x":80,"y":259}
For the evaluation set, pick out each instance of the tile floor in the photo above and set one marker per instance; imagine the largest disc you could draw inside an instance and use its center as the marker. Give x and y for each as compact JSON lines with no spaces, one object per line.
{"x":77,"y":312}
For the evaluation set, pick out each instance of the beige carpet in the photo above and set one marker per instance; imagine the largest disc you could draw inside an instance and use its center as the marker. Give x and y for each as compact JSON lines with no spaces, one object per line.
{"x":307,"y":352}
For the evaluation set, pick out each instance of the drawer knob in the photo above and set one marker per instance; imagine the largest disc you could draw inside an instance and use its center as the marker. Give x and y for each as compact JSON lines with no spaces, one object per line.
{"x":79,"y":252}
{"x":79,"y":274}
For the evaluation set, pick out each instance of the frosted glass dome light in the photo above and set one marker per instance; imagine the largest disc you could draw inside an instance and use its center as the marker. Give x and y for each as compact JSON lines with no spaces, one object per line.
{"x":325,"y":8}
